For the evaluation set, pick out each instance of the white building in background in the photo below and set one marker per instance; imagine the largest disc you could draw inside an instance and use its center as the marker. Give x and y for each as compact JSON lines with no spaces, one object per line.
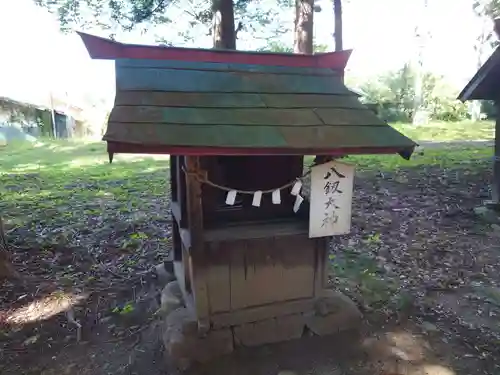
{"x":43,"y":70}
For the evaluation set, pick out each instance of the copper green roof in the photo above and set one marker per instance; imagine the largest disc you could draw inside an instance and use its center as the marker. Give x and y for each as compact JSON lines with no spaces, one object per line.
{"x":243,"y":106}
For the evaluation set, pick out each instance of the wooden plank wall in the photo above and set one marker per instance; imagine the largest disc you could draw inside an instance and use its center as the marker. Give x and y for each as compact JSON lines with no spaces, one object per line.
{"x":249,"y":273}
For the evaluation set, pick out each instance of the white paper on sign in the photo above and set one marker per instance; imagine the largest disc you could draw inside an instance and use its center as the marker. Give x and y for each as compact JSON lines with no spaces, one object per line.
{"x":296,"y":188}
{"x":276,"y":197}
{"x":231,"y":197}
{"x":298,"y":202}
{"x":330,"y":199}
{"x":257,"y":196}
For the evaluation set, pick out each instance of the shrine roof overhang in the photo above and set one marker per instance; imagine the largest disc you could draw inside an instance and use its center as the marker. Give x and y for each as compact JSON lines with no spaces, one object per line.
{"x":213,"y":102}
{"x":485,"y":85}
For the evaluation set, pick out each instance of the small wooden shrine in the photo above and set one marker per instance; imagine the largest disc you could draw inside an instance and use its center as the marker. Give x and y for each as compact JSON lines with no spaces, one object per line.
{"x":237,"y":126}
{"x":485,"y":85}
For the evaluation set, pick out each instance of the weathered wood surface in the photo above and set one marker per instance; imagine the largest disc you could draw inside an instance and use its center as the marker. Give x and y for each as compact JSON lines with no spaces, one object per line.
{"x":311,"y":101}
{"x":273,"y":117}
{"x":496,"y":164}
{"x":196,"y":254}
{"x":188,"y":99}
{"x":223,"y":67}
{"x":234,"y":100}
{"x":218,"y":277}
{"x":254,"y":314}
{"x":176,"y":241}
{"x":137,"y":148}
{"x":321,"y":273}
{"x":222,"y":91}
{"x":271,"y":270}
{"x":154,"y":79}
{"x":248,"y":173}
{"x":249,"y":232}
{"x":269,"y":331}
{"x":368,"y":139}
{"x":215,"y":116}
{"x":242,"y":274}
{"x":197,"y":104}
{"x":173,"y":189}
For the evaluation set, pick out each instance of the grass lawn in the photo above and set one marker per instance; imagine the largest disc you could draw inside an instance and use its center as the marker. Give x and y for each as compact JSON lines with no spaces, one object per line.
{"x":412,"y":228}
{"x":65,"y":186}
{"x":61,"y":183}
{"x":449,"y":131}
{"x":65,"y":183}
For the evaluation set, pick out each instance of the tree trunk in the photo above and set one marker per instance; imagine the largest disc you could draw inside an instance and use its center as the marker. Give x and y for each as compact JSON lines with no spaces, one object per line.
{"x":421,"y":34}
{"x":304,"y":22}
{"x":480,"y":50}
{"x":7,"y":271}
{"x":337,"y":11}
{"x":224,"y":33}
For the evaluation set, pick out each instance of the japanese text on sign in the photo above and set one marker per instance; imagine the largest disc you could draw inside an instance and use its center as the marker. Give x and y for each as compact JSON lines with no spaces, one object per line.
{"x":331,"y":199}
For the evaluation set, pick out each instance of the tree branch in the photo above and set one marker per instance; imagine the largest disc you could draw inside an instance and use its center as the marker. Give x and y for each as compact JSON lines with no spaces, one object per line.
{"x":149,"y":14}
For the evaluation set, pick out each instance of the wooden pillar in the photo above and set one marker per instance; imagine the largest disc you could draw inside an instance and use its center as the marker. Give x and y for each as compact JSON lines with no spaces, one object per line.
{"x":196,"y":252}
{"x":495,"y":189}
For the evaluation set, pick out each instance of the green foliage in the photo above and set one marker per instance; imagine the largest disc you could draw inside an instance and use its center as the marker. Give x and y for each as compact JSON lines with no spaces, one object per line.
{"x":394,"y":94}
{"x":357,"y":273}
{"x":107,"y":15}
{"x":23,"y":113}
{"x":489,"y":109}
{"x":448,"y":131}
{"x":45,"y":123}
{"x":274,"y":46}
{"x":66,"y":184}
{"x":115,"y":15}
{"x":488,"y":8}
{"x":127,"y":309}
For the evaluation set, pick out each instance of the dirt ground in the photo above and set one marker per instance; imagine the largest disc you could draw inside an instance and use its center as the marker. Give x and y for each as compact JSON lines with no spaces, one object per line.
{"x":421,"y":266}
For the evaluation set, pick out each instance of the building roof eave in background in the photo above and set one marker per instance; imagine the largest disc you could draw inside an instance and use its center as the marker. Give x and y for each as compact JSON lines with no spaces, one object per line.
{"x":482,"y":86}
{"x":58,"y":106}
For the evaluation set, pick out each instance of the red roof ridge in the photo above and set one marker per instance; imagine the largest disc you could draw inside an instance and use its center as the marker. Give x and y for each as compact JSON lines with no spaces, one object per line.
{"x":107,"y":49}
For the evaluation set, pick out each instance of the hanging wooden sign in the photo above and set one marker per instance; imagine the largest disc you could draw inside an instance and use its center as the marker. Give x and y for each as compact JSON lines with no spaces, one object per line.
{"x":330,"y":199}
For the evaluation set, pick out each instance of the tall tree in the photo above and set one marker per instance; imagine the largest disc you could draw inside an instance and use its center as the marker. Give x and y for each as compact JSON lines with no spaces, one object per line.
{"x":223,"y":32}
{"x":7,"y":271}
{"x":304,"y":26}
{"x":421,"y":37}
{"x":338,"y":34}
{"x":201,"y":16}
{"x":279,"y":47}
{"x":486,"y":11}
{"x":487,"y":8}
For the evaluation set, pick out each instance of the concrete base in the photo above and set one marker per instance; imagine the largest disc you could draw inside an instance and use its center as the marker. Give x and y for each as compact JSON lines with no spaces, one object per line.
{"x":186,"y":345}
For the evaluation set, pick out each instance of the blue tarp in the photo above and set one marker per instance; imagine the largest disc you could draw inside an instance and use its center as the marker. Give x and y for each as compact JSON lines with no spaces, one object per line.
{"x":10,"y":134}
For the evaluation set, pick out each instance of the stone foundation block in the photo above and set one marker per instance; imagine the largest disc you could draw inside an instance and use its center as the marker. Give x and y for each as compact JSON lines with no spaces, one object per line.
{"x":171,"y":298}
{"x":185,"y":346}
{"x":334,"y":312}
{"x":165,"y":272}
{"x":269,"y":331}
